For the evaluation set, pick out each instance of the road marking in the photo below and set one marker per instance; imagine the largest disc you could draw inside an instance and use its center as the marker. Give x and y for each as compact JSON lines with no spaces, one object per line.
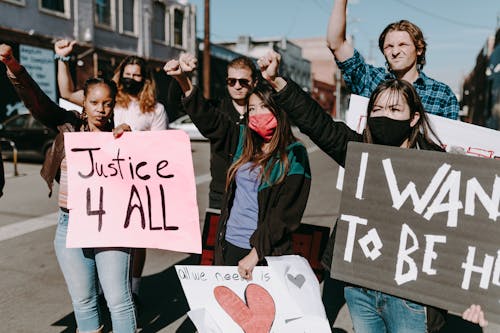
{"x":49,"y":220}
{"x":45,"y":221}
{"x":201,"y":179}
{"x":24,"y":227}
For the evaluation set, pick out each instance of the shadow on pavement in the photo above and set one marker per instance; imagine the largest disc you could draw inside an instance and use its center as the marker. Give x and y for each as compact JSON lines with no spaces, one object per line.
{"x":162,"y":302}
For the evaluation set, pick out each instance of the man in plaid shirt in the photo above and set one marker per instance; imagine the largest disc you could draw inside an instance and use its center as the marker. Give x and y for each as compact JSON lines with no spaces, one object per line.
{"x":403,"y":46}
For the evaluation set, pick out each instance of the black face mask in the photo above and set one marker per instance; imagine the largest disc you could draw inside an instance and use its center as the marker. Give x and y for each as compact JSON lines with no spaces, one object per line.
{"x":131,"y":86}
{"x":389,"y":132}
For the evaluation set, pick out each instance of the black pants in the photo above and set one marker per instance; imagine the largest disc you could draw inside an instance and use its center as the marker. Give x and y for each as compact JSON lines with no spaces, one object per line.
{"x":333,"y":297}
{"x":233,"y":254}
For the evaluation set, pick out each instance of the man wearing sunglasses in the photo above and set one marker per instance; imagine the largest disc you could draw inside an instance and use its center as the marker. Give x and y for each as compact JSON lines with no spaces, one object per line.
{"x":241,"y":79}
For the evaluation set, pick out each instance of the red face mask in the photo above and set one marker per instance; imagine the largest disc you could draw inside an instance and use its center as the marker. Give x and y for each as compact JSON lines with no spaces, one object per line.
{"x":263,"y":124}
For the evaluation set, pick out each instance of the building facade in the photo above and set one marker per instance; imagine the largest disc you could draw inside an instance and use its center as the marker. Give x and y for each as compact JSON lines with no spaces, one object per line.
{"x":328,"y":87}
{"x":481,"y":88}
{"x":106,"y":31}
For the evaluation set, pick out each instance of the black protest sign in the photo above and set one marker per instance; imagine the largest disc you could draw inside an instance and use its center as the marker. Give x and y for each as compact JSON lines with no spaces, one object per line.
{"x":421,"y":225}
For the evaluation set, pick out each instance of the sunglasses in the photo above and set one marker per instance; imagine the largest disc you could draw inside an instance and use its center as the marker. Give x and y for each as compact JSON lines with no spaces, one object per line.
{"x":231,"y":81}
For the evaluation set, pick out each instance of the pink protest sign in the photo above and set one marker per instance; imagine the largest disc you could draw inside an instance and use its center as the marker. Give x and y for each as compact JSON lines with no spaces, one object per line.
{"x":135,"y":191}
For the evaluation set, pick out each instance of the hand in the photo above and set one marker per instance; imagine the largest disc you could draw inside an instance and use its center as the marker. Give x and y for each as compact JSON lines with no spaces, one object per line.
{"x":188,"y":62}
{"x":246,"y":265}
{"x":269,"y":65}
{"x":173,"y":68}
{"x":179,"y":69}
{"x":64,"y":47}
{"x":6,"y":54}
{"x":475,"y":315}
{"x":7,"y":57}
{"x":120,"y":129}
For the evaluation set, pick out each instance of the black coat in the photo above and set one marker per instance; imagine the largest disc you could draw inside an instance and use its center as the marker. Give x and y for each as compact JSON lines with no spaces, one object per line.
{"x":332,"y":137}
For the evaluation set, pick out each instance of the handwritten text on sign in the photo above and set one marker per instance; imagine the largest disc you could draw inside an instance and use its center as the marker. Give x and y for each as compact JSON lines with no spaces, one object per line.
{"x":135,"y":191}
{"x":421,"y":225}
{"x":284,"y":295}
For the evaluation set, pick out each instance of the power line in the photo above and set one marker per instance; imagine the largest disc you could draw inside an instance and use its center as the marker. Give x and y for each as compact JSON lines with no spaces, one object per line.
{"x":443,"y":18}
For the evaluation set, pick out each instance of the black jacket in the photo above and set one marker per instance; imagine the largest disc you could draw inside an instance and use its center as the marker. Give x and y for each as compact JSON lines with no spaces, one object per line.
{"x":332,"y":137}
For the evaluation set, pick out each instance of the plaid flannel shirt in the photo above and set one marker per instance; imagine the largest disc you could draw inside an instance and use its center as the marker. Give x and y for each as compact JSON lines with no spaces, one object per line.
{"x":362,"y":79}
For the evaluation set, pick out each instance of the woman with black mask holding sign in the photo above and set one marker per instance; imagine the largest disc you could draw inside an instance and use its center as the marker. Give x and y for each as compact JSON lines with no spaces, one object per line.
{"x":80,"y":267}
{"x":136,"y":105}
{"x":397,"y":118}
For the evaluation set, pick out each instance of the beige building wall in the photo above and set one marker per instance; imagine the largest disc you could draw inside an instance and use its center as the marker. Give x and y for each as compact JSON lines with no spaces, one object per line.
{"x":323,"y":66}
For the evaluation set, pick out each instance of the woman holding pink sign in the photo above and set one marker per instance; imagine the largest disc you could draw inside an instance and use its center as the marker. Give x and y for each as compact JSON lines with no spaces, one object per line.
{"x":80,"y":267}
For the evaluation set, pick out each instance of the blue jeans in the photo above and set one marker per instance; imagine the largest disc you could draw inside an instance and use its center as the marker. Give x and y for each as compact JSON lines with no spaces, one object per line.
{"x":375,"y":312}
{"x":80,"y":268}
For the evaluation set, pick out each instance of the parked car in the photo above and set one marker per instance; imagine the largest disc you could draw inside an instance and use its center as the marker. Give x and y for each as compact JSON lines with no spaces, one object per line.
{"x":186,"y":124}
{"x":31,"y":138}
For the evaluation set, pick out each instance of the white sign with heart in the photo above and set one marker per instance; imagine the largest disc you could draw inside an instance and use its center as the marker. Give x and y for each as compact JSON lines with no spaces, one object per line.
{"x":282,"y":297}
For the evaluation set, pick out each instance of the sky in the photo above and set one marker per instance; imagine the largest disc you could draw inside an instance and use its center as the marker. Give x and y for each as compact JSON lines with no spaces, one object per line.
{"x":455,"y":30}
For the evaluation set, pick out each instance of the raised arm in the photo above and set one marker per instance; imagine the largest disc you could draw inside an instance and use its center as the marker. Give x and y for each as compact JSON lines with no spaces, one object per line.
{"x":63,"y":49}
{"x":181,"y":71}
{"x":214,"y":125}
{"x":331,"y":136}
{"x":37,"y":102}
{"x":335,"y":35}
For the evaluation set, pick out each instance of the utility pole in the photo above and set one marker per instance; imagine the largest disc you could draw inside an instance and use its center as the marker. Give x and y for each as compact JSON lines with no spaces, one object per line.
{"x":206,"y":51}
{"x":338,"y":82}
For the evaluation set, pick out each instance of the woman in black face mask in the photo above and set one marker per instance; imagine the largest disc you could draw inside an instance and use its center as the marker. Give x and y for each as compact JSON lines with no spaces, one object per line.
{"x":397,"y":118}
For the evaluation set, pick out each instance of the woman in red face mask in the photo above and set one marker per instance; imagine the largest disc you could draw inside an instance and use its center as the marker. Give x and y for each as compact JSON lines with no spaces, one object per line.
{"x":268,"y":177}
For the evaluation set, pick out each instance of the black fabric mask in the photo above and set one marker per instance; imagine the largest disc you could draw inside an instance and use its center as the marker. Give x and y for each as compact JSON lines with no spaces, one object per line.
{"x":131,"y":86}
{"x":389,"y":132}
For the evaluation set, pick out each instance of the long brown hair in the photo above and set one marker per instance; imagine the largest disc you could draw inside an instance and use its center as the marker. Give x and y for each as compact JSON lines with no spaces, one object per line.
{"x":422,"y":132}
{"x":147,"y":95}
{"x":252,"y":146}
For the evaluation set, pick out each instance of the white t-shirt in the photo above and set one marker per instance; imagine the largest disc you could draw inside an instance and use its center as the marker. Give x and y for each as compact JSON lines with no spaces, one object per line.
{"x":139,"y":121}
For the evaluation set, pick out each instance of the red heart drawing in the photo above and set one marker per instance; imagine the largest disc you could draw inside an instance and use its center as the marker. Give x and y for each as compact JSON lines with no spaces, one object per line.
{"x":254,"y":316}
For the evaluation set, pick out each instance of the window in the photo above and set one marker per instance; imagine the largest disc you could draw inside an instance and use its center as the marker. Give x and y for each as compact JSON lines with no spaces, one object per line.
{"x":159,"y":21}
{"x":16,"y":2}
{"x":178,"y":27}
{"x":56,"y":7}
{"x":104,"y":13}
{"x":128,"y":16}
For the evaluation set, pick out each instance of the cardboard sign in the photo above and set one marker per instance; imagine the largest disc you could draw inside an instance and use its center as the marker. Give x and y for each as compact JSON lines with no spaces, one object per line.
{"x":135,"y":191}
{"x":282,"y":297}
{"x":421,"y":225}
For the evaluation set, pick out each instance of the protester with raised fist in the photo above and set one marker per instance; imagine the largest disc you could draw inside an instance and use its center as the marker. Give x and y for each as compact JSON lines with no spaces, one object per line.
{"x":268,"y":179}
{"x":79,"y":266}
{"x":396,"y":117}
{"x":136,"y":105}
